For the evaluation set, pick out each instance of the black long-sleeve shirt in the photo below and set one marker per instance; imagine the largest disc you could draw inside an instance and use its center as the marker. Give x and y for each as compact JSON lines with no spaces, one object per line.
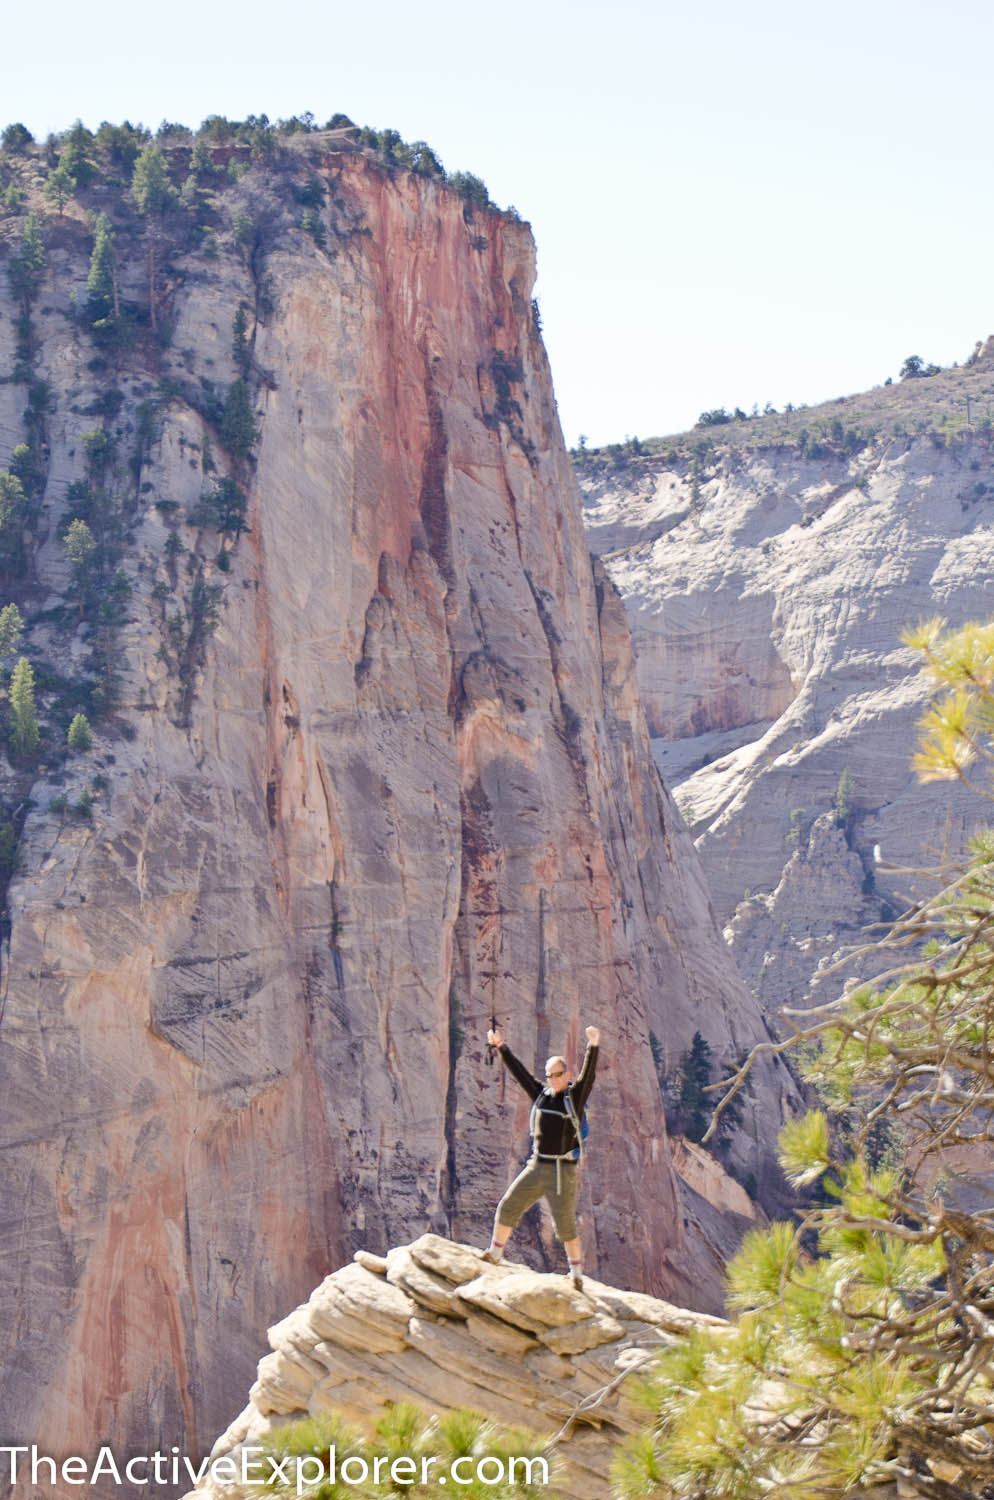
{"x":556,"y":1133}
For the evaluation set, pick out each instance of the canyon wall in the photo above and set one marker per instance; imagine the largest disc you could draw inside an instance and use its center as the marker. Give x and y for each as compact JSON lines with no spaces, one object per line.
{"x":767,"y":593}
{"x":378,"y":765}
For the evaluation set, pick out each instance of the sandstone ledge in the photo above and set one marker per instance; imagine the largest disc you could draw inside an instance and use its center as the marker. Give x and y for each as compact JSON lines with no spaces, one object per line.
{"x":431,"y":1323}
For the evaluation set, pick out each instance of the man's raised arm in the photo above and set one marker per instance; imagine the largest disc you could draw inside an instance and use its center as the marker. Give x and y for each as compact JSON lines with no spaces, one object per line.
{"x":585,"y":1078}
{"x":517,"y":1070}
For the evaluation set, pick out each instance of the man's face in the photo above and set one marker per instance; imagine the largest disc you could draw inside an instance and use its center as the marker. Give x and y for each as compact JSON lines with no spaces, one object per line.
{"x":556,"y":1075}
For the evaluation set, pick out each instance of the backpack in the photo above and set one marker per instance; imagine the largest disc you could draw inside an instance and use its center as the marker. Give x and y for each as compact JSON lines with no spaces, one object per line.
{"x":581,"y":1126}
{"x":581,"y":1134}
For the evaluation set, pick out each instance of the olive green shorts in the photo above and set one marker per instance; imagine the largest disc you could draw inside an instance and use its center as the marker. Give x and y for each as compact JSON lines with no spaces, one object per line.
{"x":538,"y":1180}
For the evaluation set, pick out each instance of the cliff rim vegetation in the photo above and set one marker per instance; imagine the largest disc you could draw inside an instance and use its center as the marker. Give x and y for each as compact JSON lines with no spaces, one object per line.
{"x":948,"y":406}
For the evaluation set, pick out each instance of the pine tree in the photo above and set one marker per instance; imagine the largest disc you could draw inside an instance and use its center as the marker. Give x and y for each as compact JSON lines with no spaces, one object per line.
{"x":98,"y":446}
{"x":12,"y":500}
{"x":102,"y":300}
{"x":406,"y":1435}
{"x":76,"y":150}
{"x":200,"y":158}
{"x":23,"y":734}
{"x":13,"y":513}
{"x":239,"y":340}
{"x":238,"y":430}
{"x":79,"y":736}
{"x":26,"y":267}
{"x":16,"y":138}
{"x":11,"y":629}
{"x":154,"y":195}
{"x":693,"y":1077}
{"x":61,"y":184}
{"x":472,"y":188}
{"x":861,"y":1353}
{"x":223,"y":507}
{"x":25,"y":467}
{"x":80,"y":545}
{"x":843,"y":798}
{"x":121,"y":142}
{"x":425,"y":161}
{"x":151,"y":186}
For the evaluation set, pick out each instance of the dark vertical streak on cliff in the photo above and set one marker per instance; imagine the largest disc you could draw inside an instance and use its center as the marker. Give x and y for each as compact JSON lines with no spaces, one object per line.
{"x":334,"y":934}
{"x":432,"y":503}
{"x":568,"y":721}
{"x":189,"y":1391}
{"x":541,"y":1010}
{"x":449,"y":1186}
{"x":478,"y":906}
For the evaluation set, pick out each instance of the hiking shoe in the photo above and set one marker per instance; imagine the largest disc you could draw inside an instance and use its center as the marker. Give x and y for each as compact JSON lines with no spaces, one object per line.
{"x":491,"y":1257}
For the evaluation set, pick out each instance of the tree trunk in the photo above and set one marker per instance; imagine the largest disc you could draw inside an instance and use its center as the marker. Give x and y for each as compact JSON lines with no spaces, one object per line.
{"x":151,"y":277}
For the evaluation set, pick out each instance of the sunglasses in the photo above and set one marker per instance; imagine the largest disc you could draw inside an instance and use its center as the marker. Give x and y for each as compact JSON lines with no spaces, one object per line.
{"x":557,"y":1074}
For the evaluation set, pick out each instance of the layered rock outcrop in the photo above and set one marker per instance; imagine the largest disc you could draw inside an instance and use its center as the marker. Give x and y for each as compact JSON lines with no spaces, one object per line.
{"x":423,"y":1325}
{"x":767,"y":594}
{"x":427,"y":1326}
{"x":380,"y":767}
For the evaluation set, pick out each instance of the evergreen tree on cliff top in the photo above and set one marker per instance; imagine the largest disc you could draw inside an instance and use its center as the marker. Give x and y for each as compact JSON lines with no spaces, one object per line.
{"x":863,"y":1351}
{"x":154,"y":196}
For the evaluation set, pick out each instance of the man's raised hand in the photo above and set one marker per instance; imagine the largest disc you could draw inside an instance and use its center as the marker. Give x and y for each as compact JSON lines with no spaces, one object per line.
{"x":593,"y":1036}
{"x":495,"y":1039}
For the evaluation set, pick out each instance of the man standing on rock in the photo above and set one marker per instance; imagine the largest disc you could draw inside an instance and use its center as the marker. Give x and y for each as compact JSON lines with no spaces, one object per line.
{"x":556,"y":1128}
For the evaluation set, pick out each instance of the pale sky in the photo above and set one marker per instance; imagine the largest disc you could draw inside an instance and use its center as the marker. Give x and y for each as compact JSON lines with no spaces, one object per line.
{"x":733,"y":203}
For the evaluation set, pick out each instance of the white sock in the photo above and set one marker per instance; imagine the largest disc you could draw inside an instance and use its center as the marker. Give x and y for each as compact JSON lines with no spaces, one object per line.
{"x":497,"y":1251}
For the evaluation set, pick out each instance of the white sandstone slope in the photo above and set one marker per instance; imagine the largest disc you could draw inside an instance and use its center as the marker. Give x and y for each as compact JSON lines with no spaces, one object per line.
{"x":767,"y":593}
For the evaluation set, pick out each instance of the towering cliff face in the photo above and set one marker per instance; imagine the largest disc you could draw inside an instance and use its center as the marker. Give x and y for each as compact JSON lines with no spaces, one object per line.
{"x":767,"y":593}
{"x":405,"y":778}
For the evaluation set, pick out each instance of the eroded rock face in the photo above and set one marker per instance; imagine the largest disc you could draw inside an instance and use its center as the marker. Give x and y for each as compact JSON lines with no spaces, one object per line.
{"x":787,"y":942}
{"x":766,"y":616}
{"x":524,"y":1348}
{"x":406,"y":778}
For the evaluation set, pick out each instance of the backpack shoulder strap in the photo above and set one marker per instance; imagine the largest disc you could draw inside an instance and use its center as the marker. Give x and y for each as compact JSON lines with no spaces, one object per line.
{"x":533,"y":1121}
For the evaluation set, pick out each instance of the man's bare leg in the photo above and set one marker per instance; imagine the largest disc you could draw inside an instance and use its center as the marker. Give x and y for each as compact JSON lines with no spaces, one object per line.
{"x":574,"y":1254}
{"x":498,"y":1239}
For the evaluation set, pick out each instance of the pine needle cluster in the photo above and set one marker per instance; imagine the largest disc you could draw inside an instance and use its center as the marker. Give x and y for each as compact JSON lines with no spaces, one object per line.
{"x":405,"y":1432}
